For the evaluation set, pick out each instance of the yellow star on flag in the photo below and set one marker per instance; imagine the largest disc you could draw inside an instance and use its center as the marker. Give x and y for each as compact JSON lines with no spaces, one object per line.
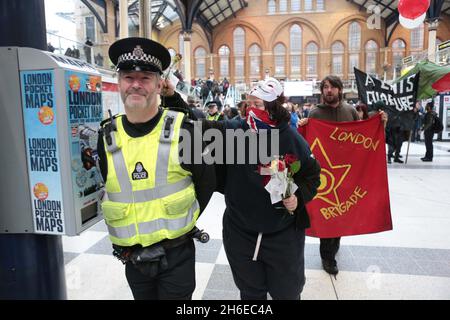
{"x":331,"y":175}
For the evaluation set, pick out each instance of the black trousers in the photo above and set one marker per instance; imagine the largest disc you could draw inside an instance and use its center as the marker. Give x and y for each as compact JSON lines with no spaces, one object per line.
{"x":429,"y":143}
{"x":329,"y":248}
{"x":280,"y":266}
{"x":396,"y":141}
{"x":177,"y":282}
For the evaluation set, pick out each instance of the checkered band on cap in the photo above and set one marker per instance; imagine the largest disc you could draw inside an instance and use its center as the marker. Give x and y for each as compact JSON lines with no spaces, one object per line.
{"x":139,"y":55}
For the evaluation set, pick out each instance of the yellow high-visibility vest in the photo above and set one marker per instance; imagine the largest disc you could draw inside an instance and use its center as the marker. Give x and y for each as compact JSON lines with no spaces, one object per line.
{"x":214,"y":117}
{"x":150,"y":196}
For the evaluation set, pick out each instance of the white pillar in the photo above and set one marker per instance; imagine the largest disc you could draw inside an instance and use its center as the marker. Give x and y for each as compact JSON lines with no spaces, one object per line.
{"x":145,"y":19}
{"x":123,"y":12}
{"x":187,"y":56}
{"x":432,"y":28}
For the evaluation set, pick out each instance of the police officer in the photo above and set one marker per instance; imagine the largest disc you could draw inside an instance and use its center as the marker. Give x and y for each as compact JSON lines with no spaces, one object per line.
{"x":153,"y":197}
{"x":213,"y":112}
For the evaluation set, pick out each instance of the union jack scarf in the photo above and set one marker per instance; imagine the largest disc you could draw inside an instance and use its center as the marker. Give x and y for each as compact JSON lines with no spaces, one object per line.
{"x":259,"y":119}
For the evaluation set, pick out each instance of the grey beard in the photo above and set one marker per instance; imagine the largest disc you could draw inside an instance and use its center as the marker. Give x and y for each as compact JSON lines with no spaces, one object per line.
{"x":136,"y":105}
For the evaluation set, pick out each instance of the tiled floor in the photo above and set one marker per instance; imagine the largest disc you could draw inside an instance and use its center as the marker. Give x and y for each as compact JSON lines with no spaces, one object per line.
{"x":410,"y":262}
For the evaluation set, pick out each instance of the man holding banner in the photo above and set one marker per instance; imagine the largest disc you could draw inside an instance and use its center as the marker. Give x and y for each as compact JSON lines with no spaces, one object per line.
{"x":345,"y":205}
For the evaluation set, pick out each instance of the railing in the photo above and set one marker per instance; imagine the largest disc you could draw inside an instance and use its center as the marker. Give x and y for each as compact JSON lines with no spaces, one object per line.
{"x":75,"y":49}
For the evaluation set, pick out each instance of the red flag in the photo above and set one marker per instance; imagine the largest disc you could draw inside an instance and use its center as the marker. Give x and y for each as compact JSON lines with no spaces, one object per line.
{"x":353,"y":197}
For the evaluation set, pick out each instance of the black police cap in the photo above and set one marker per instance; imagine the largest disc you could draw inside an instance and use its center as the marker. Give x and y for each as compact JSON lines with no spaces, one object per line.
{"x":211,"y":104}
{"x":139,"y":54}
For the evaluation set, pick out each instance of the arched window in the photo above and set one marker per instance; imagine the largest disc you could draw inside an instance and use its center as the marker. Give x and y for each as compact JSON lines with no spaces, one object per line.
{"x":255,"y":60}
{"x":200,"y":62}
{"x":398,"y":53}
{"x":239,"y":52}
{"x":312,"y":51}
{"x":371,"y":57}
{"x":296,"y":49}
{"x":224,"y":57}
{"x":279,"y":52}
{"x":271,"y":6}
{"x":354,"y":45}
{"x":295,"y":5}
{"x":337,"y":52}
{"x":283,"y":5}
{"x":308,"y":5}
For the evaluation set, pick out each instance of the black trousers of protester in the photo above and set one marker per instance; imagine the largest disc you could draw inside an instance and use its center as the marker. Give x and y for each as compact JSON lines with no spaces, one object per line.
{"x":429,"y":143}
{"x":329,"y":248}
{"x":396,"y":140}
{"x":280,"y":266}
{"x":177,"y":282}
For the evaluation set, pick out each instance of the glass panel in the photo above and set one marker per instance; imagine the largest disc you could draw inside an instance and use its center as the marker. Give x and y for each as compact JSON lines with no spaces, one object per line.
{"x":320,"y":5}
{"x":280,"y":57}
{"x":353,"y":62}
{"x":255,"y":65}
{"x":239,"y":41}
{"x":398,"y":44}
{"x":295,"y":64}
{"x":311,"y":64}
{"x":417,"y":37}
{"x":224,"y":53}
{"x":338,"y":64}
{"x":308,"y":5}
{"x":337,"y":47}
{"x":371,"y":62}
{"x":239,"y":66}
{"x":255,"y":59}
{"x":200,"y":62}
{"x":312,"y":48}
{"x":354,"y":41}
{"x":90,"y":28}
{"x":296,"y":39}
{"x":295,"y":5}
{"x":271,"y":6}
{"x":239,"y":51}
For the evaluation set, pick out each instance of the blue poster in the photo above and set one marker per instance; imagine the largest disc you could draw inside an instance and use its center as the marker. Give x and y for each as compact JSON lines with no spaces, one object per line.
{"x":39,"y":111}
{"x":84,"y":113}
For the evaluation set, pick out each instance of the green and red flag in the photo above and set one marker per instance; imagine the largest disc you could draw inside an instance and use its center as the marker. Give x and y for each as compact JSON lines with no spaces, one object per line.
{"x":433,"y":79}
{"x":353,"y":196}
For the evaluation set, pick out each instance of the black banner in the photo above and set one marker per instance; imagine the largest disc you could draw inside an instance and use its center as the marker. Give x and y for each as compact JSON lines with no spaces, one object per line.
{"x":399,"y":97}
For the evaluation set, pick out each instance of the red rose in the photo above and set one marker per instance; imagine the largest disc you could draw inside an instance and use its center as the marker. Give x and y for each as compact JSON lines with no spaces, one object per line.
{"x":290,"y":159}
{"x":281,"y":166}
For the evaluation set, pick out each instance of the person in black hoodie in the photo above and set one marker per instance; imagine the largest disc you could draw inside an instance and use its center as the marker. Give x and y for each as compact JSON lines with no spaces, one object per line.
{"x":264,"y":242}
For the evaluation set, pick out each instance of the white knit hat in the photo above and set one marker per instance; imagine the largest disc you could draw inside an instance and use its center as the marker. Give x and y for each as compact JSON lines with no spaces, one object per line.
{"x":268,"y":90}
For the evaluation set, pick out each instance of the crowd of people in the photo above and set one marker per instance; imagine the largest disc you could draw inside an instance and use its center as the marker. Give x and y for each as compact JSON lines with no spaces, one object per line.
{"x":153,"y":199}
